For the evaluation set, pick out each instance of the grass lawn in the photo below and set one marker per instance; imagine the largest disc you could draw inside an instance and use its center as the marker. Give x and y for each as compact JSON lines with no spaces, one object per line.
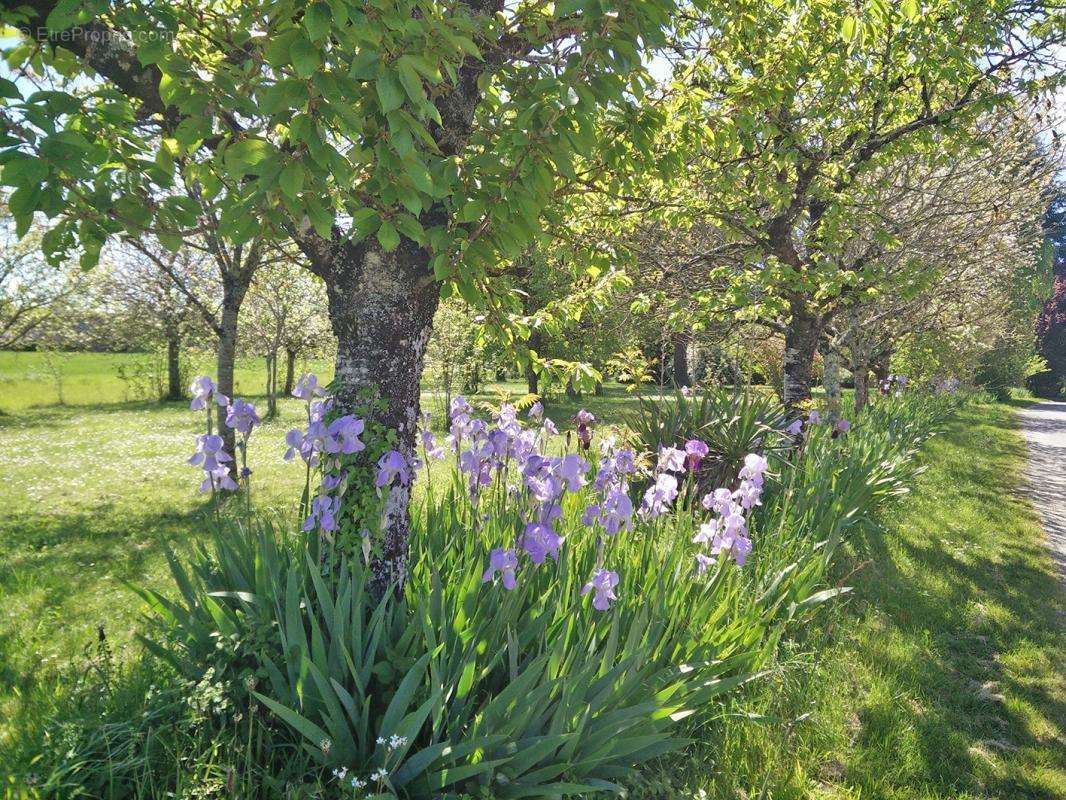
{"x":947,"y":679}
{"x":28,"y":380}
{"x":942,"y":677}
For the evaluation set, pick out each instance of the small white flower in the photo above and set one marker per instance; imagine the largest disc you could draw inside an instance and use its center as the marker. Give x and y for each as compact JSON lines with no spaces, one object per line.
{"x":340,"y":774}
{"x":397,"y":741}
{"x":381,"y":740}
{"x":357,"y":784}
{"x":380,"y":775}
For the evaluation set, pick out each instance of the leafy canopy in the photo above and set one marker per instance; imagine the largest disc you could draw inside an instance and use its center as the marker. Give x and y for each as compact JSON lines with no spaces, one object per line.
{"x":447,"y":123}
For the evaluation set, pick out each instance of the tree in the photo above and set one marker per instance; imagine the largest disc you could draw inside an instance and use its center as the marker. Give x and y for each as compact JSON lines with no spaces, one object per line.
{"x":1051,"y":325}
{"x":404,"y":145}
{"x":156,"y":307}
{"x":965,"y":232}
{"x":286,"y":314}
{"x":30,"y":289}
{"x":791,"y":109}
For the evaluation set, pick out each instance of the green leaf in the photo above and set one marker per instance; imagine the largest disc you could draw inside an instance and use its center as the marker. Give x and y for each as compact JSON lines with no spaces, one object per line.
{"x":24,"y":170}
{"x":24,"y":200}
{"x":318,"y":21}
{"x":9,"y":89}
{"x":848,"y":27}
{"x":247,"y":156}
{"x":305,"y":57}
{"x":292,"y":179}
{"x":388,"y":237}
{"x":409,"y":77}
{"x":390,"y":92}
{"x":909,"y":9}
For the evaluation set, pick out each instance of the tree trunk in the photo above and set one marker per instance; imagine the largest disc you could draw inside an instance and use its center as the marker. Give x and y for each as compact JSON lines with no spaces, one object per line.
{"x":232,"y":297}
{"x":381,"y":308}
{"x":680,"y":361}
{"x":290,"y":371}
{"x":272,"y":384}
{"x":831,"y":378}
{"x":861,"y":373}
{"x":173,"y":367}
{"x":801,"y":343}
{"x":532,"y":378}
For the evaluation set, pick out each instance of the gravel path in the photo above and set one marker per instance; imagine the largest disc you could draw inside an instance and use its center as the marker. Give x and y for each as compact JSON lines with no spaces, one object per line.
{"x":1044,"y":426}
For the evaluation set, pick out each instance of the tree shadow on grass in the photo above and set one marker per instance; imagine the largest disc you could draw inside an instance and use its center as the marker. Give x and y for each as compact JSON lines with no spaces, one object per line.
{"x":61,"y":575}
{"x":971,"y":699}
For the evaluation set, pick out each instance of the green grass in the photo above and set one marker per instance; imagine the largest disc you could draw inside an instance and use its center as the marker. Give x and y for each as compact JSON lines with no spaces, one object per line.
{"x":942,"y":677}
{"x":27,"y":380}
{"x":946,"y":678}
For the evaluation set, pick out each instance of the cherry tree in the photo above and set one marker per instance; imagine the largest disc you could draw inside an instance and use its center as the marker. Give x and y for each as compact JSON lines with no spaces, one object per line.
{"x":405,"y":146}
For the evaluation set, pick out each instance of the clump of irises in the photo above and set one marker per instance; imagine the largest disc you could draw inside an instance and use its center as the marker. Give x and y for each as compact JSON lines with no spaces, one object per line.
{"x":210,"y":455}
{"x":509,"y":456}
{"x":838,"y":425}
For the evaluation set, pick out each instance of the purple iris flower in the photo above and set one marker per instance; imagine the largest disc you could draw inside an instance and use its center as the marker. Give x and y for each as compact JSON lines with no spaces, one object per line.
{"x":591,"y":515}
{"x":719,"y":501}
{"x":317,"y":409}
{"x":695,"y":452}
{"x":433,"y":450}
{"x":841,"y":426}
{"x":585,"y":420}
{"x":499,"y":443}
{"x":671,"y":459}
{"x":522,"y":445}
{"x":241,"y":416}
{"x":549,"y":428}
{"x":392,"y":467}
{"x":459,"y":406}
{"x":601,"y":584}
{"x":504,"y":562}
{"x":203,"y":389}
{"x":706,"y":533}
{"x":703,"y":563}
{"x":754,"y":468}
{"x":795,"y":428}
{"x":218,"y":478}
{"x":209,"y":453}
{"x":540,"y":541}
{"x":571,"y":470}
{"x":815,"y":418}
{"x":617,"y":511}
{"x":733,"y":523}
{"x":331,"y":482}
{"x":736,"y":545}
{"x":324,"y":510}
{"x":296,"y":442}
{"x":307,"y":388}
{"x":659,"y":496}
{"x":343,"y":435}
{"x":748,"y":495}
{"x":536,"y":411}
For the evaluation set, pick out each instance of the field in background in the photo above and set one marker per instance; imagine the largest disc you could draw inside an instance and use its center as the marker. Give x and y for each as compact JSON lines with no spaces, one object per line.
{"x":28,"y":380}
